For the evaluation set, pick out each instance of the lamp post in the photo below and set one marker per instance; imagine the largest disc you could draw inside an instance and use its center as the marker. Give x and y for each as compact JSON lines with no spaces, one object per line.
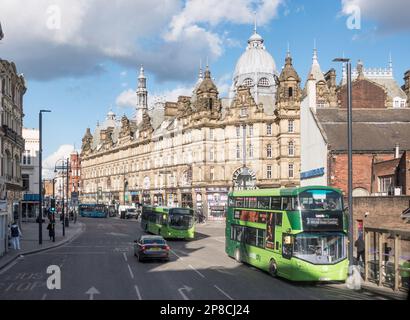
{"x":40,"y":184}
{"x":350,"y":166}
{"x":65,"y":166}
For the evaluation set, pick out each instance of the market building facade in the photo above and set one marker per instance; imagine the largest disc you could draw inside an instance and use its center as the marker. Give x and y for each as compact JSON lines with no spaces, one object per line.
{"x":194,"y":151}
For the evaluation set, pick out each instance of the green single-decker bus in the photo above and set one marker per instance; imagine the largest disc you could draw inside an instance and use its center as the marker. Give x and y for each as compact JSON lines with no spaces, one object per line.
{"x":296,"y":233}
{"x":171,"y":223}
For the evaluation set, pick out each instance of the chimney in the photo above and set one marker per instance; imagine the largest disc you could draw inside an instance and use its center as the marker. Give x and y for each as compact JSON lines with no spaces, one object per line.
{"x":397,"y":151}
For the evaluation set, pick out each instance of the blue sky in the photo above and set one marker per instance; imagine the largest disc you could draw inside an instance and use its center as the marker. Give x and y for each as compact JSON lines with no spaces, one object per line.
{"x":80,"y":68}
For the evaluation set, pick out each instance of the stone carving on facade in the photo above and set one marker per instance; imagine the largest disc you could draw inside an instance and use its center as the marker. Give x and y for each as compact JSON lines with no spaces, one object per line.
{"x":126,"y":133}
{"x":87,"y":142}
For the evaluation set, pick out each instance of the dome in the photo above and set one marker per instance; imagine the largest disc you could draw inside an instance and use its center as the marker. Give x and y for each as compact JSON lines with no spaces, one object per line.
{"x":255,"y":59}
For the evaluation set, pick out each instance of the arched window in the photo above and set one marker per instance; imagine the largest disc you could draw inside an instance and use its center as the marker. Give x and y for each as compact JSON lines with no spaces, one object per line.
{"x":248,"y":82}
{"x":263,"y":82}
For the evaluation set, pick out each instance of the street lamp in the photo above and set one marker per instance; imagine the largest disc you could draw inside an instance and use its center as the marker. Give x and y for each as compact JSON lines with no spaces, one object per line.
{"x":40,"y":184}
{"x":65,"y":168}
{"x":350,"y":167}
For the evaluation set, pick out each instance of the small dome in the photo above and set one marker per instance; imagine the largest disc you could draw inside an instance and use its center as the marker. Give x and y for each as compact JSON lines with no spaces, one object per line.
{"x":255,"y":59}
{"x":255,"y":37}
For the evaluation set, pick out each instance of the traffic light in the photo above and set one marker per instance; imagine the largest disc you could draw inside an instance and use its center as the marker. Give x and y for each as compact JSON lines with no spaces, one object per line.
{"x":53,"y":205}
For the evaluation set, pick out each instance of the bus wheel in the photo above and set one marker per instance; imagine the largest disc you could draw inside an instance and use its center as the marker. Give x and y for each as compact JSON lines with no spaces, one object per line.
{"x":273,"y":268}
{"x":238,"y":256}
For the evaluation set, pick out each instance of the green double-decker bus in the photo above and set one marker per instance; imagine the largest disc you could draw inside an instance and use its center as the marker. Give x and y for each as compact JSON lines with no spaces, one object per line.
{"x":296,"y":233}
{"x":171,"y":223}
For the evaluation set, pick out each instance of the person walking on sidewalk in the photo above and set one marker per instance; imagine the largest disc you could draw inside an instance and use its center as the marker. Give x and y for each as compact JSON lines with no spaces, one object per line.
{"x":51,"y":231}
{"x":359,"y":244}
{"x":15,"y":235}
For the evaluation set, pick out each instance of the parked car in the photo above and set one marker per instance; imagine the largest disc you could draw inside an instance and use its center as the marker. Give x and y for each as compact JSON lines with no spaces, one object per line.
{"x":151,"y":247}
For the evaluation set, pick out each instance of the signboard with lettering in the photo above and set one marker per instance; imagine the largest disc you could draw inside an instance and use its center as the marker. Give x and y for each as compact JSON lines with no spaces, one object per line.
{"x":312,"y":173}
{"x":322,"y":221}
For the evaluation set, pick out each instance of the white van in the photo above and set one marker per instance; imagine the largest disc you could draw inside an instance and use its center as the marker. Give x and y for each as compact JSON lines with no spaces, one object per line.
{"x":127,"y":212}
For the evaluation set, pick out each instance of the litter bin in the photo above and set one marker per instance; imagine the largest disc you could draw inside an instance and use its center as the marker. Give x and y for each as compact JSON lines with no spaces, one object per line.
{"x":67,"y":222}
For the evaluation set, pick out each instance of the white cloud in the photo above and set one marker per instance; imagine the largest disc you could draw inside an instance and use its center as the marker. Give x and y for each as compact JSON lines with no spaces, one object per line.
{"x":189,"y":23}
{"x":390,"y":15}
{"x":50,"y":162}
{"x":127,"y":32}
{"x":127,"y":99}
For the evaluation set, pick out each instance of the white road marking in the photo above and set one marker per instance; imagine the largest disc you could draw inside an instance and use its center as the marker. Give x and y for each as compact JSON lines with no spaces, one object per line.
{"x":138,"y":292}
{"x":125,"y":256}
{"x":219,"y":239}
{"x":197,"y":271}
{"x":188,"y":289}
{"x":223,"y":292}
{"x":44,"y":296}
{"x":129,"y":268}
{"x":91,"y":292}
{"x":8,"y":267}
{"x":176,"y":254}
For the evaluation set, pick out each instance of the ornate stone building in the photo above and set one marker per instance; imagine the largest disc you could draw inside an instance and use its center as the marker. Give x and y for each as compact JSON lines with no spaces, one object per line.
{"x":12,"y":89}
{"x":194,"y":151}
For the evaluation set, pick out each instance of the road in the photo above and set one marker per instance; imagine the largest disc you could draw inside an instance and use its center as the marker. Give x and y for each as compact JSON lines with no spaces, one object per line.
{"x":99,"y":264}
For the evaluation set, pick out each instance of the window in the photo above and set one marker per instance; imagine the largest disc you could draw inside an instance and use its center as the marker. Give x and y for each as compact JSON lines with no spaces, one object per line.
{"x":276,"y":203}
{"x":26,"y":182}
{"x":211,"y":155}
{"x":321,"y":104}
{"x":211,"y":134}
{"x":251,"y":130}
{"x":255,"y":237}
{"x":243,"y":112}
{"x":269,"y":151}
{"x":211,"y":174}
{"x":238,"y":151}
{"x":251,"y":151}
{"x":238,"y":131}
{"x":248,"y":82}
{"x":253,"y":202}
{"x":291,"y":148}
{"x":264,"y":203}
{"x":269,"y":129}
{"x":290,"y":170}
{"x":291,"y":126}
{"x":269,"y":172}
{"x":385,"y":183}
{"x":237,"y":233}
{"x":290,"y":92}
{"x":263,"y":82}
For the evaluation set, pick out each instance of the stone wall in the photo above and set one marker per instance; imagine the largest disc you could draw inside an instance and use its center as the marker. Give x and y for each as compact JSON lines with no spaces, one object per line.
{"x":383,"y":212}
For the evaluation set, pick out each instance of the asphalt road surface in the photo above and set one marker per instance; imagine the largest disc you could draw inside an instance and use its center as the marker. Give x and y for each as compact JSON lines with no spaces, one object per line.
{"x":100,"y":264}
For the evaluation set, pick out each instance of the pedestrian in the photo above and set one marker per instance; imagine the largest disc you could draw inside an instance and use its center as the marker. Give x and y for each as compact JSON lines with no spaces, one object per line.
{"x":50,"y":229}
{"x":359,"y":244}
{"x":15,"y":235}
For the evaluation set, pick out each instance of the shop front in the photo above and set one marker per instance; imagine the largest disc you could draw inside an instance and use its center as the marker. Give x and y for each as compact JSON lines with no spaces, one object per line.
{"x":172,"y":198}
{"x":3,"y":227}
{"x":186,"y":198}
{"x":217,"y":201}
{"x":30,"y":207}
{"x":158,"y":198}
{"x":146,"y":198}
{"x":135,"y":197}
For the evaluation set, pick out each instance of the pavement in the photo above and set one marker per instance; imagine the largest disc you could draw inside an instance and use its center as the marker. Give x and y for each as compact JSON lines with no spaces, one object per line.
{"x":99,"y":264}
{"x":29,"y":242}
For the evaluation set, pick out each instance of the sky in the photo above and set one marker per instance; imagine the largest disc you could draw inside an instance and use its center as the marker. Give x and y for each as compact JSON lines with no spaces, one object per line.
{"x":81,"y":58}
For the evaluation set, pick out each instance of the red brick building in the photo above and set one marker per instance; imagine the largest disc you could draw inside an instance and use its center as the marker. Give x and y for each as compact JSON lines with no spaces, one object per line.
{"x":75,"y":173}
